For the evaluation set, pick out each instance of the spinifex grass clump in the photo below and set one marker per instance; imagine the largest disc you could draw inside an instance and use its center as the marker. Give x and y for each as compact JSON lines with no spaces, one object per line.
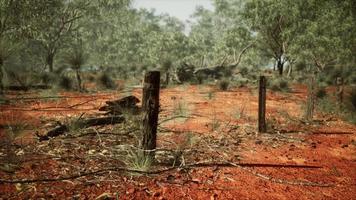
{"x":224,"y":84}
{"x":137,"y":159}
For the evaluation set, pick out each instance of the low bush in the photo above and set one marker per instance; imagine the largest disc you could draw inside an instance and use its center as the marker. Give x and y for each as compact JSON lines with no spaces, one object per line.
{"x":106,"y":81}
{"x":224,"y":84}
{"x":321,"y":93}
{"x":65,"y":82}
{"x":278,"y":85}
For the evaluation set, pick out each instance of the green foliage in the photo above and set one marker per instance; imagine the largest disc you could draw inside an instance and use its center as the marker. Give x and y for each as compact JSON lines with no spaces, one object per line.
{"x":137,"y":159}
{"x":321,"y":93}
{"x":346,"y":109}
{"x":47,"y":78}
{"x":65,"y":82}
{"x":224,"y":84}
{"x":278,"y":84}
{"x":106,"y":81}
{"x":185,"y":72}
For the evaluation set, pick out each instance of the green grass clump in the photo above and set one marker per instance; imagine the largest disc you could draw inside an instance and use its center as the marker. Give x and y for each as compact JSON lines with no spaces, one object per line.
{"x":136,"y":159}
{"x":279,"y":85}
{"x":224,"y":85}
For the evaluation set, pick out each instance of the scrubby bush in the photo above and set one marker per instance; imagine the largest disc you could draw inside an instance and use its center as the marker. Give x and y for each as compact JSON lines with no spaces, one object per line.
{"x":185,"y":72}
{"x":279,"y":85}
{"x":47,"y":78}
{"x":65,"y":82}
{"x":224,"y":84}
{"x":321,"y":93}
{"x":106,"y":81}
{"x":244,"y":71}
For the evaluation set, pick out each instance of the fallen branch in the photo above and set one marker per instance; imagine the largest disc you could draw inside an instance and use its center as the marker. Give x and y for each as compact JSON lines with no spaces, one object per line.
{"x":82,"y":124}
{"x":198,"y":164}
{"x":26,"y":88}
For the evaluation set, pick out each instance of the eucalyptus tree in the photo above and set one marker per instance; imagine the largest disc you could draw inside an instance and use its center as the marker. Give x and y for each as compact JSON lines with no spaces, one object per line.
{"x":221,"y":35}
{"x":11,"y":28}
{"x":323,"y":32}
{"x":105,"y":29}
{"x":269,"y":20}
{"x":54,"y":23}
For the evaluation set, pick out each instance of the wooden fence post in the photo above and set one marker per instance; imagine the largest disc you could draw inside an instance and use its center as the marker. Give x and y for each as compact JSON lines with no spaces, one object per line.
{"x":262,"y":105}
{"x":150,"y":107}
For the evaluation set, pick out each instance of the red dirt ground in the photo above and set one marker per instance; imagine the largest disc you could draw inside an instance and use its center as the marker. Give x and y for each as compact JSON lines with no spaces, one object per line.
{"x":223,"y":125}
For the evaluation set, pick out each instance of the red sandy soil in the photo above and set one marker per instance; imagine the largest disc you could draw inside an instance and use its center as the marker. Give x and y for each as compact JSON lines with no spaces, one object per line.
{"x":328,"y":143}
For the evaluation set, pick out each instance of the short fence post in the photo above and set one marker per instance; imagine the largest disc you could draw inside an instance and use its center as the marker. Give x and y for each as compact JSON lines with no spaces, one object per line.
{"x":262,"y":105}
{"x":150,"y":108}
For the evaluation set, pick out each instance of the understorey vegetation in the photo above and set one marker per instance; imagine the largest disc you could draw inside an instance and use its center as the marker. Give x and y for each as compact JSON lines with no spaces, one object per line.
{"x":74,"y":85}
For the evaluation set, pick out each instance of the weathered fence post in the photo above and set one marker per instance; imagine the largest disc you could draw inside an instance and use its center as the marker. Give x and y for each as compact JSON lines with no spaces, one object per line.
{"x":150,"y":107}
{"x":262,"y":105}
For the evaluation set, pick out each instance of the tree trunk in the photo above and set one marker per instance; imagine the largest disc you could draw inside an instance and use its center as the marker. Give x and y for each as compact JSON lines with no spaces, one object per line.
{"x":290,"y":69}
{"x":280,"y":67}
{"x":1,"y":77}
{"x":49,"y":61}
{"x":150,"y":106}
{"x":79,"y":79}
{"x":340,"y":90}
{"x":167,"y":78}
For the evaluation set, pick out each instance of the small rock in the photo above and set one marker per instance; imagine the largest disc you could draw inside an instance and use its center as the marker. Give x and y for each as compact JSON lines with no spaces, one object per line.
{"x":344,"y":146}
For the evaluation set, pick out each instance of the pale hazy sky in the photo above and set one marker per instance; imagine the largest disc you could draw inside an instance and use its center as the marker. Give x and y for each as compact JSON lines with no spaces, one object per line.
{"x":182,"y":9}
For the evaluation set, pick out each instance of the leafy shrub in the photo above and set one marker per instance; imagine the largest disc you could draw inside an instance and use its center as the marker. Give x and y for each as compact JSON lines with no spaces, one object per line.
{"x":166,"y":65}
{"x":244,"y":71}
{"x":321,"y":93}
{"x":65,"y":82}
{"x":224,"y":85}
{"x":185,"y":72}
{"x":279,"y":85}
{"x":283,"y":84}
{"x":47,"y":78}
{"x":106,"y":81}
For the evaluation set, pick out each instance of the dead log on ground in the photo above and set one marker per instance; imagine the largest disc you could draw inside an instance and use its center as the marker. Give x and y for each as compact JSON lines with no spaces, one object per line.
{"x":61,"y":129}
{"x":118,"y":107}
{"x":27,"y":87}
